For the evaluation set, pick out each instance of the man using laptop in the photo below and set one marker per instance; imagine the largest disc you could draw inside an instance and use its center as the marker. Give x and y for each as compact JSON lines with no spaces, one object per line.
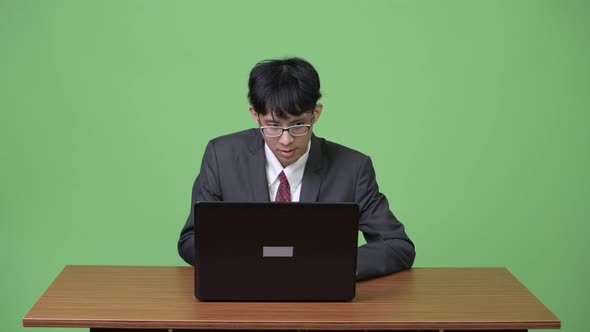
{"x":283,"y":161}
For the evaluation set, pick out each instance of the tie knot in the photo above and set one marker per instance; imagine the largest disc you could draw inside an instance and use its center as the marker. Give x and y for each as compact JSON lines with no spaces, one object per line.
{"x":283,"y":178}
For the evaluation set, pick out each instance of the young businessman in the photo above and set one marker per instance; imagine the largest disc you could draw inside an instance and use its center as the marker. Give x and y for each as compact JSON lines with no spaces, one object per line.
{"x":282,"y":160}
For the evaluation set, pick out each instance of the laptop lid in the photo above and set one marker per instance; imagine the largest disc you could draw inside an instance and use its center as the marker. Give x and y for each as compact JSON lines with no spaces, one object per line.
{"x":275,"y":251}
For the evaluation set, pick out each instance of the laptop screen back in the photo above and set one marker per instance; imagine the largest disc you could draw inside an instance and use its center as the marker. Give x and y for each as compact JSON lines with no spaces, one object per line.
{"x":275,"y":251}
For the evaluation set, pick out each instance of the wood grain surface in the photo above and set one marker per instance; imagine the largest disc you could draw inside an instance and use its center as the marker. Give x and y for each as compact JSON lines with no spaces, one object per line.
{"x":162,"y":297}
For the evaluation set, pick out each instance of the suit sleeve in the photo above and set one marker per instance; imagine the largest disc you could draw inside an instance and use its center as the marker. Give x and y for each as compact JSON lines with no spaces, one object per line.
{"x":205,"y":188}
{"x":388,"y":248}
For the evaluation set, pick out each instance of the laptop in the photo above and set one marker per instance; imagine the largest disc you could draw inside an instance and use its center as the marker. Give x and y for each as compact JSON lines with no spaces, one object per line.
{"x":275,"y":251}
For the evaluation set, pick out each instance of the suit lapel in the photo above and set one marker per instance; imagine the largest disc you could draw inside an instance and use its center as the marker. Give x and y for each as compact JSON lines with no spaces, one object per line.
{"x":257,"y":171}
{"x":312,"y":179}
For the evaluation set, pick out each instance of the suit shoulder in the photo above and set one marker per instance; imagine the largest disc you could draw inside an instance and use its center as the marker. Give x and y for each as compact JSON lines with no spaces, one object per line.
{"x":338,"y":151}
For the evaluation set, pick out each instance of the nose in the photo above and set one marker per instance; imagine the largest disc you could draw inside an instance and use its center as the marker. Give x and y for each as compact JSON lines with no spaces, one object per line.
{"x":285,"y":138}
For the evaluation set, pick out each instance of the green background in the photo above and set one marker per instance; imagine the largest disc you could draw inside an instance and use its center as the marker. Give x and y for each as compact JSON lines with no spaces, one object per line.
{"x":476,"y":115}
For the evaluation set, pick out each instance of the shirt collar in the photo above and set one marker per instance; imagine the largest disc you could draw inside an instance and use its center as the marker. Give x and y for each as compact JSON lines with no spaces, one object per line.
{"x":294,"y":172}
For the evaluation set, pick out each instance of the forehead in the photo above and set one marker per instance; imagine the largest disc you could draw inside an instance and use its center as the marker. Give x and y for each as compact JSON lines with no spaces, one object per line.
{"x":272,"y":116}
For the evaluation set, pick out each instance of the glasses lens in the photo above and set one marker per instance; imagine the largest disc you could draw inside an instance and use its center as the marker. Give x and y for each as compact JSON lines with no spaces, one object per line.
{"x":272,"y":131}
{"x":299,"y":130}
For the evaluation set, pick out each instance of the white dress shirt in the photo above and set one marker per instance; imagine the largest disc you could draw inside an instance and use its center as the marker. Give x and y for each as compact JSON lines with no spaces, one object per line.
{"x":294,"y":173}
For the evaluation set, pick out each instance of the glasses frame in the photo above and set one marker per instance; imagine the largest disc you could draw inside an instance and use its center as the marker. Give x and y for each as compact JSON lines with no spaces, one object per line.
{"x":287,"y":129}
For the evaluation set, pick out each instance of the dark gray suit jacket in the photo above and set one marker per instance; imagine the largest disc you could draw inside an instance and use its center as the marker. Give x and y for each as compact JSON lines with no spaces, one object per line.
{"x":233,"y":169}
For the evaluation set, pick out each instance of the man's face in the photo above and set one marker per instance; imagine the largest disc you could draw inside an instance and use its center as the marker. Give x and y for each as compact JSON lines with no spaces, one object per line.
{"x":287,"y":148}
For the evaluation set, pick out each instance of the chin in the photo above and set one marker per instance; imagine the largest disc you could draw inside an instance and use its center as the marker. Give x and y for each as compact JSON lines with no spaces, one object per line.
{"x":286,"y":163}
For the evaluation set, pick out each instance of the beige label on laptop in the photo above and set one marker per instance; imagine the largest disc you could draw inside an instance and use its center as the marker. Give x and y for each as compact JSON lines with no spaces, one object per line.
{"x":277,"y":251}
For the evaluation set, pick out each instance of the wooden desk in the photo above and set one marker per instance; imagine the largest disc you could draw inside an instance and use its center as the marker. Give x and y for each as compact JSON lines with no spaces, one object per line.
{"x":103,"y":298}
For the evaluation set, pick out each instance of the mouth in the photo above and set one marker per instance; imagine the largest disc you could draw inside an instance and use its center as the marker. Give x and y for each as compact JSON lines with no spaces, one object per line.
{"x":287,"y":153}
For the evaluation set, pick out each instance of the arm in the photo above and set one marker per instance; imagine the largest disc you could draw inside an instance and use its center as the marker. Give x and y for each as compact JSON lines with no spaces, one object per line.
{"x":388,"y":248}
{"x":205,"y":188}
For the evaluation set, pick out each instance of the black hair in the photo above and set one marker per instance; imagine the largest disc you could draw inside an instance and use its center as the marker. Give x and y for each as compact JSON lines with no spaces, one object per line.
{"x":283,"y":87}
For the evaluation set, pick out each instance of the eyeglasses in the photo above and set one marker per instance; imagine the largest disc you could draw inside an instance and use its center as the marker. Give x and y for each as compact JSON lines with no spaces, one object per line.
{"x":295,"y":131}
{"x":276,"y":131}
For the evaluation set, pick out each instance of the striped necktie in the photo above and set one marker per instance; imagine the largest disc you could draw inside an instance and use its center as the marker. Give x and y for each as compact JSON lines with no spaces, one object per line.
{"x":284,"y":192}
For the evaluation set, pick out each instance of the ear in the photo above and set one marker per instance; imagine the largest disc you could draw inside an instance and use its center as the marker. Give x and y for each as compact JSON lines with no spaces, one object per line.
{"x":317,"y":112}
{"x":254,"y":114}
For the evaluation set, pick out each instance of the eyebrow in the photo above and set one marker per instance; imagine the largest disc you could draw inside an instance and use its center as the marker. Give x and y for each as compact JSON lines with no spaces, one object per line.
{"x":271,"y":120}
